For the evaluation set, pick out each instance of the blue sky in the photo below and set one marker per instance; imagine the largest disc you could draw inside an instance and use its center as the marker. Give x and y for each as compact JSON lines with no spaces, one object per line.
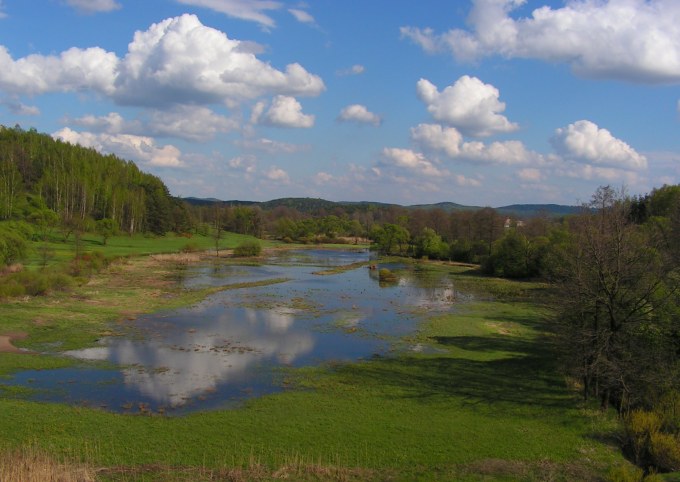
{"x":484,"y":102}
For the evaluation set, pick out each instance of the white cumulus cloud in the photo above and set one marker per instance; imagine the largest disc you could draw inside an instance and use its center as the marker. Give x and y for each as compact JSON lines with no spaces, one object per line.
{"x":585,"y":142}
{"x":434,"y":137}
{"x":284,"y":112}
{"x":182,"y":61}
{"x":74,"y":70}
{"x":251,"y":10}
{"x":94,"y":6}
{"x":469,"y":104}
{"x":510,"y":153}
{"x":410,"y":160}
{"x":176,"y":61}
{"x":137,"y":148}
{"x":635,"y":40}
{"x":245,"y":164}
{"x":277,"y":174}
{"x":359,"y":113}
{"x":449,"y":141}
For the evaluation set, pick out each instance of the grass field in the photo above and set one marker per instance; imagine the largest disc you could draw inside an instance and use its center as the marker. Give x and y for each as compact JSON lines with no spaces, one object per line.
{"x":61,"y":251}
{"x":486,"y":403}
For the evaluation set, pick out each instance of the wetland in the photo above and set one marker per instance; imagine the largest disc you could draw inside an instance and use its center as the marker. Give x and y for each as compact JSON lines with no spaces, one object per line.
{"x":312,"y":307}
{"x":304,"y":364}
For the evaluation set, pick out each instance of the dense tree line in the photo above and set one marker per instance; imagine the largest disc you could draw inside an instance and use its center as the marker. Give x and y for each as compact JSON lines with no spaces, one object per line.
{"x":44,"y":181}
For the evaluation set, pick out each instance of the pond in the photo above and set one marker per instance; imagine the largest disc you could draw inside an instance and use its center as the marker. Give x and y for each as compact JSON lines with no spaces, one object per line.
{"x":237,"y":343}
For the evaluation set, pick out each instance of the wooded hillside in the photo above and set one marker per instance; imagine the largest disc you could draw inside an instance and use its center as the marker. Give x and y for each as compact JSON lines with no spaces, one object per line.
{"x":42,"y":178}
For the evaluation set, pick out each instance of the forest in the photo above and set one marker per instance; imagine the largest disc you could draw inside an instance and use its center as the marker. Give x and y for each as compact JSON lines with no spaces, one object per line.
{"x":614,"y":266}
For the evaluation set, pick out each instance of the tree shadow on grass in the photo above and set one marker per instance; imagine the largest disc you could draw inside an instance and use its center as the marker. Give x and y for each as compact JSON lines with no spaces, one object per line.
{"x":520,"y":372}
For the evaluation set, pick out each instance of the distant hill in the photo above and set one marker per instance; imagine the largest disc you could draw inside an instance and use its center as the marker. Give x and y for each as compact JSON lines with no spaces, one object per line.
{"x":530,"y":210}
{"x":445,"y":206}
{"x":316,"y":205}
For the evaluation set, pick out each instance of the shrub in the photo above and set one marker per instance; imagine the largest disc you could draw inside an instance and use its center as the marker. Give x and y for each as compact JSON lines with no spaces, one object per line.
{"x":89,"y":263}
{"x":639,"y":427}
{"x":664,"y":449}
{"x":630,"y":473}
{"x":60,"y":281}
{"x":191,"y":247}
{"x":651,"y":439}
{"x":10,"y":288}
{"x":34,"y":283}
{"x":13,"y":244}
{"x":248,"y":248}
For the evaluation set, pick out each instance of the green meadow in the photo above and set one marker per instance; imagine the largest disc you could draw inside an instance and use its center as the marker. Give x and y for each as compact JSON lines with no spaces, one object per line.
{"x":485,"y":401}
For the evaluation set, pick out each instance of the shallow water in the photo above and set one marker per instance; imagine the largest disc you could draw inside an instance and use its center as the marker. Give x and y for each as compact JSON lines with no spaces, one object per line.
{"x":232,"y":346}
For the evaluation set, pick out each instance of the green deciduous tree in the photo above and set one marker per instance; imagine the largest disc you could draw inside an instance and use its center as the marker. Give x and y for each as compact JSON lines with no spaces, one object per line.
{"x":391,"y":238}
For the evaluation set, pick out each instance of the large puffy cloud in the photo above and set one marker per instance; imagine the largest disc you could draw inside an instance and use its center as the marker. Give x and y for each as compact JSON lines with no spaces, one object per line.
{"x":75,"y":70}
{"x":585,"y":142}
{"x":252,"y":10}
{"x":359,"y":113}
{"x":182,"y":60}
{"x":93,"y":6}
{"x":284,"y":112}
{"x":634,"y":40}
{"x":138,"y":148}
{"x":176,"y":61}
{"x":469,"y":104}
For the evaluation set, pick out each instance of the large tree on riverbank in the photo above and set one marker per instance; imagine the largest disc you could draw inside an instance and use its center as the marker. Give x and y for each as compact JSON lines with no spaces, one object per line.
{"x":617,"y":286}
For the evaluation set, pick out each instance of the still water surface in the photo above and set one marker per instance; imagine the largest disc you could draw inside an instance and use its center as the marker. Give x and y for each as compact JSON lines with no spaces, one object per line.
{"x":232,"y":346}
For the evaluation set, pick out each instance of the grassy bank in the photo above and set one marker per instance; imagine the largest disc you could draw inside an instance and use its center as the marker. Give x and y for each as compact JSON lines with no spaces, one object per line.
{"x":484,"y":402}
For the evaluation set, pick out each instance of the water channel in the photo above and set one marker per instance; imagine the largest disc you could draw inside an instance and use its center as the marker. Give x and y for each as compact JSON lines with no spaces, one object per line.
{"x":236,"y":344}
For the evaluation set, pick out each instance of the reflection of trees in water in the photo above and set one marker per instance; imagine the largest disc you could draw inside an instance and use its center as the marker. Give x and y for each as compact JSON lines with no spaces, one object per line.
{"x":418,"y":287}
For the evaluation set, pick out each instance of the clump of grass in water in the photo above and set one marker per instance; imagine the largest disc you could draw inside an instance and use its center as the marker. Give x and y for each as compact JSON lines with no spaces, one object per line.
{"x":386,"y":276}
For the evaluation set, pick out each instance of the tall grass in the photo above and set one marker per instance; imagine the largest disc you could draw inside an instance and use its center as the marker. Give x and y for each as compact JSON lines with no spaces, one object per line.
{"x":35,"y":465}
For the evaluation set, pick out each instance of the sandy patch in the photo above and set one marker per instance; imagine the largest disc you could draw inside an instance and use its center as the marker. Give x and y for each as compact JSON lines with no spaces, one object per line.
{"x":6,"y":345}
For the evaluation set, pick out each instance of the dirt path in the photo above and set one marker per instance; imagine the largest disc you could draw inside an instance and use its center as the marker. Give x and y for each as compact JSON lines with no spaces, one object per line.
{"x":6,"y":345}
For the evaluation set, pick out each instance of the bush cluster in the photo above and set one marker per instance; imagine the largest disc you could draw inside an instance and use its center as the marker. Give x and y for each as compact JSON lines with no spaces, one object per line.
{"x":248,"y":248}
{"x":652,"y":437}
{"x":191,"y":247}
{"x":34,"y":283}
